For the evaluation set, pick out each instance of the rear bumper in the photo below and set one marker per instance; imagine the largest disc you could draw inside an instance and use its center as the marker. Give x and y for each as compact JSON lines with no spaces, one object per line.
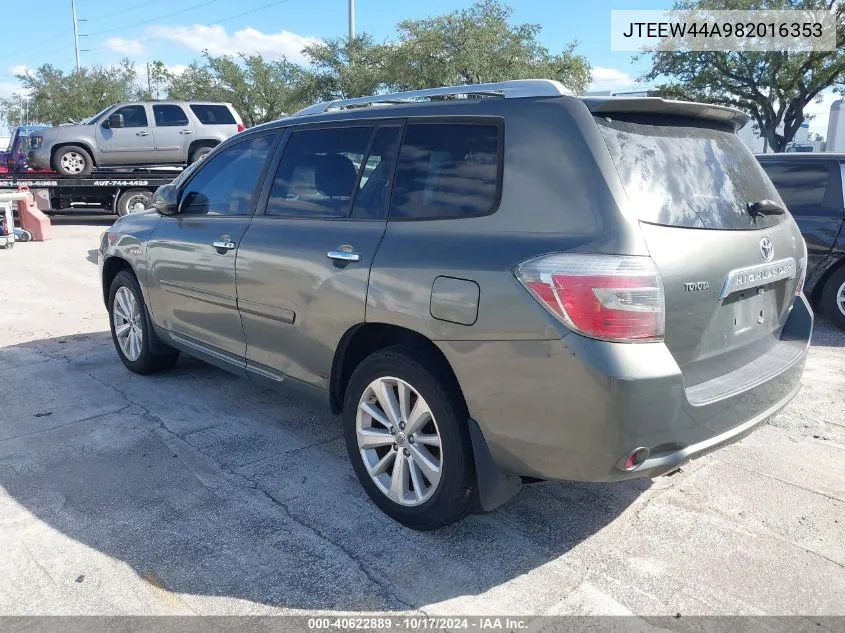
{"x":572,"y":409}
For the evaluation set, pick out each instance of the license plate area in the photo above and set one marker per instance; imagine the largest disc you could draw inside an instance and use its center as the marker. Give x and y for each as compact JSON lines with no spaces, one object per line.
{"x":755,"y":309}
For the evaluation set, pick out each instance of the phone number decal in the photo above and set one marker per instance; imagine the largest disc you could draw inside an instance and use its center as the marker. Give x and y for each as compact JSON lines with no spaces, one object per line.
{"x":121,"y":183}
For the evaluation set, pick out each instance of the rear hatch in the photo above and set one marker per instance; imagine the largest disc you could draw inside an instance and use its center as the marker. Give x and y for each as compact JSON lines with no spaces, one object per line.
{"x":730,"y":274}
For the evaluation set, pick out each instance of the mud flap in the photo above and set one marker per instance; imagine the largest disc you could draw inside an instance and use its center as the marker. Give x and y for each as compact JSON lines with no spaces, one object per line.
{"x":494,"y":487}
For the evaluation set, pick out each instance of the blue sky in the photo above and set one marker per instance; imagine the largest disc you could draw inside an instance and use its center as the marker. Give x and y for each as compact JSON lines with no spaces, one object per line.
{"x":176,"y":31}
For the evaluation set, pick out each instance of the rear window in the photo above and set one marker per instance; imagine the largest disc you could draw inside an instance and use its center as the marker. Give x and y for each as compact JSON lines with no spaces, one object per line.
{"x":687,"y":172}
{"x":214,"y":114}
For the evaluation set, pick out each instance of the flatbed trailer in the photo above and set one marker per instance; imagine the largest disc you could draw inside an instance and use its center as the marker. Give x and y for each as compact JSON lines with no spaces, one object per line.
{"x":120,"y":192}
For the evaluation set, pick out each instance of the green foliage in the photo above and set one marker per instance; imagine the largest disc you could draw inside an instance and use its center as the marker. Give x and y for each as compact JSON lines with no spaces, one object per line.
{"x":343,"y":69}
{"x":774,"y":87}
{"x":261,"y":90}
{"x":57,"y":97}
{"x":478,"y":45}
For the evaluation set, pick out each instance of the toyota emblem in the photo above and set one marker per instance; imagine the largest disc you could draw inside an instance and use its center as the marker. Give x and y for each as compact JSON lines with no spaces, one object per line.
{"x":767,"y":249}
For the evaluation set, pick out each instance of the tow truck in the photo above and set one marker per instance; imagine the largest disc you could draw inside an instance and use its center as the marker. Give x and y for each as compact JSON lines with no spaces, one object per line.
{"x":120,"y":191}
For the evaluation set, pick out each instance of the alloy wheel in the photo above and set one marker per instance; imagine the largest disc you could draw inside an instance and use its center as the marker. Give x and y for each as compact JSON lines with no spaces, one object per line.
{"x":126,"y":314}
{"x":399,"y":441}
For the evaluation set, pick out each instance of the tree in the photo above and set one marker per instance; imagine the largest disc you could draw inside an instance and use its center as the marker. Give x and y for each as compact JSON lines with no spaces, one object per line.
{"x":60,"y":97}
{"x":343,"y":69}
{"x":261,"y":90}
{"x":479,"y":45}
{"x":774,"y":87}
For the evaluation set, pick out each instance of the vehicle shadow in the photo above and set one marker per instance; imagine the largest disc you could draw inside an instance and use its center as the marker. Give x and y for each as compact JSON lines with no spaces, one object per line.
{"x":825,"y":334}
{"x":78,"y":218}
{"x":206,"y":484}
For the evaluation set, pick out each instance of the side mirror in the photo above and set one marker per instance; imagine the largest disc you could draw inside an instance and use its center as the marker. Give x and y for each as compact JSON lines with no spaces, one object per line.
{"x":166,"y":200}
{"x":115,"y":121}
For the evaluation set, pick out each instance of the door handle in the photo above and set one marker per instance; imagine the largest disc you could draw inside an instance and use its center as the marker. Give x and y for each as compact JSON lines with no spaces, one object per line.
{"x":186,"y":132}
{"x":225,"y":243}
{"x":344,"y":256}
{"x":143,"y":133}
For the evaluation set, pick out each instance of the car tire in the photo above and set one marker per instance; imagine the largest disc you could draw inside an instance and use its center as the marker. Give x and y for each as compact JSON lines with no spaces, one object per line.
{"x":426,"y":504}
{"x":198,"y":153}
{"x":133,"y":200}
{"x":135,"y":340}
{"x":833,"y":298}
{"x":72,"y":161}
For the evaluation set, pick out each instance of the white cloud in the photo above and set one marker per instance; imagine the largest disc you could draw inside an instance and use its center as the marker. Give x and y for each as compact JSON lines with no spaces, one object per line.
{"x":8,"y":88}
{"x":217,"y":41}
{"x":127,"y":47}
{"x":610,"y":79}
{"x":20,"y":69}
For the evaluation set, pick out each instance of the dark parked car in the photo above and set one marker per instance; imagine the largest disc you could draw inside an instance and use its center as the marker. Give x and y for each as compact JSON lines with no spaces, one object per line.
{"x":14,"y":158}
{"x":509,"y":282}
{"x":811,"y":186}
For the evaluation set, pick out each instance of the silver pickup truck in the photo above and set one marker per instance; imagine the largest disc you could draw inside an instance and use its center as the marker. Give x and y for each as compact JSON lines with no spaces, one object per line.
{"x":132,"y":134}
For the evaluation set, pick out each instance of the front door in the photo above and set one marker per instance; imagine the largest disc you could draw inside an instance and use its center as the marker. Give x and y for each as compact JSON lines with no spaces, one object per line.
{"x":131,"y":144}
{"x":173,"y":133}
{"x":304,"y":264}
{"x":191,"y":255}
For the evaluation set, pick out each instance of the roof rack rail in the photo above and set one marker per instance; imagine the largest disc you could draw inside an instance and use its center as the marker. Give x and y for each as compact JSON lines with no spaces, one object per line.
{"x":513,"y":89}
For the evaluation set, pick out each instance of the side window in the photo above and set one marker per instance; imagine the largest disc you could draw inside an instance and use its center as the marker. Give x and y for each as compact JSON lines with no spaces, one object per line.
{"x":804,"y":188}
{"x":446,"y":170}
{"x":225,"y":184}
{"x":374,"y":184}
{"x":213,"y":114}
{"x":169,"y":115}
{"x":133,"y":115}
{"x":318,"y":173}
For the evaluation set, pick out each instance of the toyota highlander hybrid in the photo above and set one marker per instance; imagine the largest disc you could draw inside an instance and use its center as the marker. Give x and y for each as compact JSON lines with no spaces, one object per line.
{"x":490,"y":283}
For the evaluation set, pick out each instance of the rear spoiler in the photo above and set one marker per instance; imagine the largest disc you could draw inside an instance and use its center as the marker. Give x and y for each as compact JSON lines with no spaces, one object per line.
{"x":658,"y":105}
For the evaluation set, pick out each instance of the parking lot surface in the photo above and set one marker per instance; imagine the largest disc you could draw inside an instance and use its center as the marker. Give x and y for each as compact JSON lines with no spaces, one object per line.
{"x":196,"y":492}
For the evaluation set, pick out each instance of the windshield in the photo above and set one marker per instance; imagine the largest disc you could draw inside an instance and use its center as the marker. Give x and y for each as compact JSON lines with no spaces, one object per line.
{"x":94,"y":118}
{"x":687,"y":172}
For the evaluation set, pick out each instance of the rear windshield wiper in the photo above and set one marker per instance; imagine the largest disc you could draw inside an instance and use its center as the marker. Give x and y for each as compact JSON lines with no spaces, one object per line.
{"x":764,"y":207}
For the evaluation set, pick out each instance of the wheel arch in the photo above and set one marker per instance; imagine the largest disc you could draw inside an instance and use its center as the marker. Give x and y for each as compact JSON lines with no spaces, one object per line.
{"x":203,"y":142}
{"x":364,"y":339}
{"x":111,"y":267}
{"x":495,"y":487}
{"x":83,"y":144}
{"x":818,"y":287}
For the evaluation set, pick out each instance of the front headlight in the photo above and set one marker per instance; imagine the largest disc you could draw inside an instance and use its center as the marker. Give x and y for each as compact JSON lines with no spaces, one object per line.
{"x":35,"y":141}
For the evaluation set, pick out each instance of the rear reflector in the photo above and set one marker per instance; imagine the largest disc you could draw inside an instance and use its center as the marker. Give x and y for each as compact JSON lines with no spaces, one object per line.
{"x":608,"y":297}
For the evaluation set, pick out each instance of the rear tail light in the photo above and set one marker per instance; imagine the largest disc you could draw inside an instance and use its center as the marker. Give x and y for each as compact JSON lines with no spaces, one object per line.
{"x":241,"y":127}
{"x":608,"y":297}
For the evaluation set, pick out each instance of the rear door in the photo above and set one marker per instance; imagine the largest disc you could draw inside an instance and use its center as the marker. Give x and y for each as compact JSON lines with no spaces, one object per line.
{"x":173,"y":133}
{"x":729,"y":275}
{"x":304,"y":264}
{"x":812,"y":191}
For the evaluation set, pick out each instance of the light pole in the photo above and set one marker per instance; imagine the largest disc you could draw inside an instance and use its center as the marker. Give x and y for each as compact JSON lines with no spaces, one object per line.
{"x":351,"y":20}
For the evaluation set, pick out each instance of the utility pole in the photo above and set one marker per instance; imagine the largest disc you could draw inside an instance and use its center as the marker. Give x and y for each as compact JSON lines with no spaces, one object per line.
{"x":75,"y":31}
{"x":149,"y":84}
{"x":351,"y":20}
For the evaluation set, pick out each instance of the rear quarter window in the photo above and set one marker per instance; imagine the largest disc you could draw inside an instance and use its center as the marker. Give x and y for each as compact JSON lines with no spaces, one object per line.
{"x":687,"y":172}
{"x":447,"y":170}
{"x":811,"y":188}
{"x":213,"y":114}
